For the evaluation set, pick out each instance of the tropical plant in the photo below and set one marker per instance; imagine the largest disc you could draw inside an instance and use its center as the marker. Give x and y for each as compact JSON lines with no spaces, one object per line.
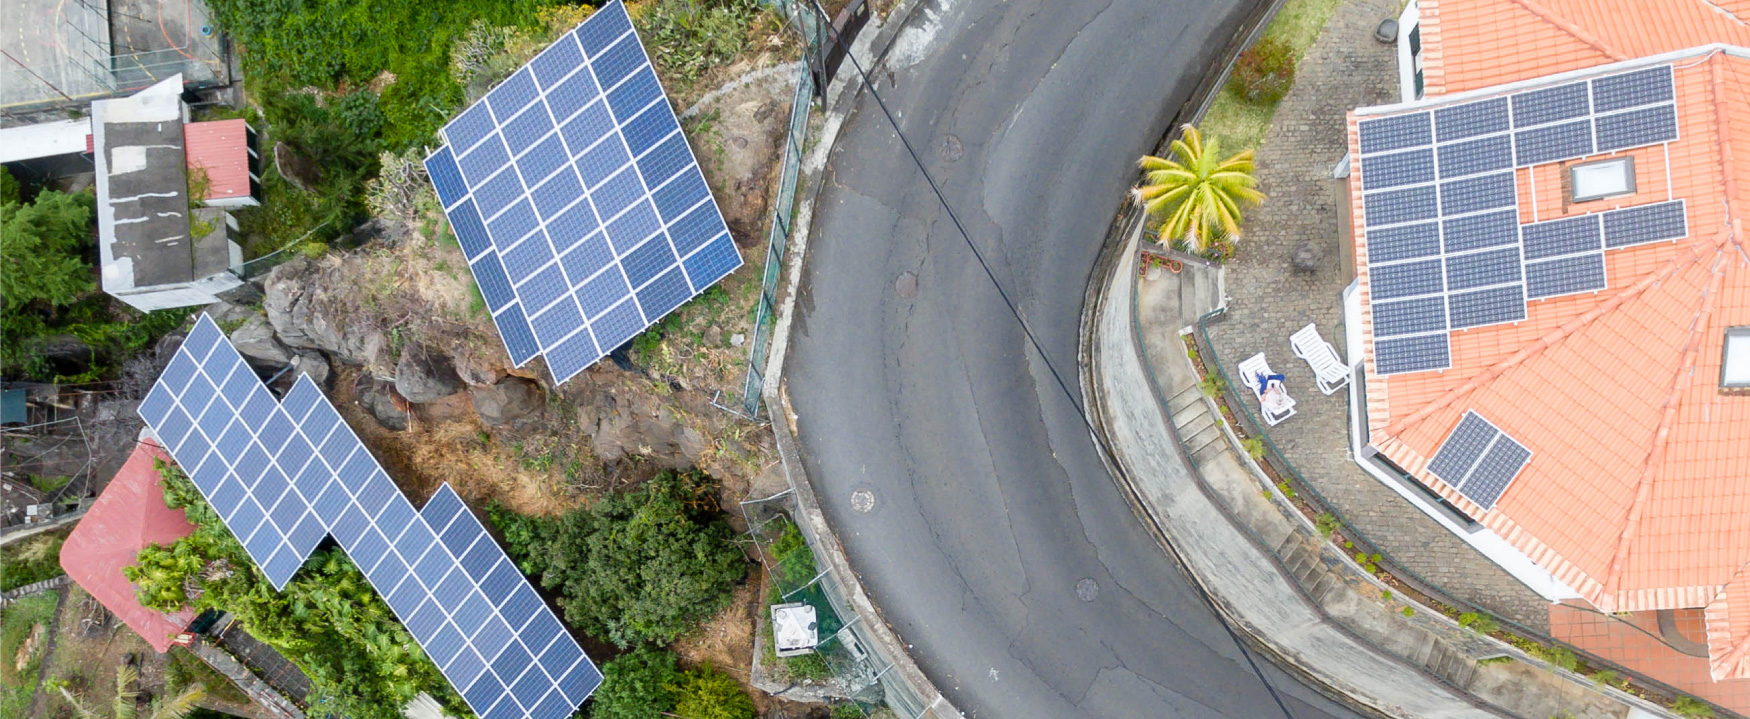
{"x":1197,"y":197}
{"x":127,"y":699}
{"x":710,"y":694}
{"x":42,"y":250}
{"x":639,"y":684}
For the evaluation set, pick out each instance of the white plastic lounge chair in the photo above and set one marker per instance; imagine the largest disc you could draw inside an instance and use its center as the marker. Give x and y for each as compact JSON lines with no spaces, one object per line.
{"x":1267,"y":386}
{"x":1326,"y":365}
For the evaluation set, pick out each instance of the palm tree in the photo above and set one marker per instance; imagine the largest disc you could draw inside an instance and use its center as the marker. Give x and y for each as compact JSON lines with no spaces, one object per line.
{"x":127,"y":696}
{"x":1196,"y":196}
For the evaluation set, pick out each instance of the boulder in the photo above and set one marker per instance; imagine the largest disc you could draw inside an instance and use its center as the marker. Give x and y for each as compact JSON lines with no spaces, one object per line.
{"x":511,"y":399}
{"x":255,"y":341}
{"x":477,"y":370}
{"x":224,"y":312}
{"x":297,"y":168}
{"x":306,"y":312}
{"x":620,"y":426}
{"x":425,"y":376}
{"x":378,"y":398}
{"x":312,"y":363}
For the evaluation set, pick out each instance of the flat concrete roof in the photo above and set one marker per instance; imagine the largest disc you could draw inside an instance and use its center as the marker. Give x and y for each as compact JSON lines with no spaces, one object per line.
{"x":44,"y":139}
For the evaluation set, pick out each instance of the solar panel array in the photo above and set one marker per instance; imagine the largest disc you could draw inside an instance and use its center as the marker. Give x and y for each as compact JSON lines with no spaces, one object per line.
{"x":285,"y":474}
{"x":578,"y":202}
{"x":1479,"y":460}
{"x":1446,"y":250}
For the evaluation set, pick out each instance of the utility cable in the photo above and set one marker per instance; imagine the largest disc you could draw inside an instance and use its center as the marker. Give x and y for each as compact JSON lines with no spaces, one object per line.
{"x":1099,"y":440}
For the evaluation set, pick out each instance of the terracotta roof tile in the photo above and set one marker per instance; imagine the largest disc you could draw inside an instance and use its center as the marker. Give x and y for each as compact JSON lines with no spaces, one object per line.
{"x":221,"y":148}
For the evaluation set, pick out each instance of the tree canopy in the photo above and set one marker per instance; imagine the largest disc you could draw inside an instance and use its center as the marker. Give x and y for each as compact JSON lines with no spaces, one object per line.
{"x":1197,"y":196}
{"x":42,"y":248}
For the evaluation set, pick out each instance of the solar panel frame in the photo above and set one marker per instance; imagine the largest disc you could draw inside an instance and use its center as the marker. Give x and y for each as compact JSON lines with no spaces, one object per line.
{"x":1636,"y":128}
{"x":1641,"y":224}
{"x":614,"y":125}
{"x":1567,"y":275}
{"x":1463,"y":448}
{"x":1418,"y":353}
{"x":1497,"y":469}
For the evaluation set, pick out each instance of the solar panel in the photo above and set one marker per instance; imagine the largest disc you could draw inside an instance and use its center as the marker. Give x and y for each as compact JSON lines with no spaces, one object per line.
{"x":1489,"y":479}
{"x":1487,"y":307}
{"x":1482,"y":269}
{"x":1473,"y":156}
{"x":1420,"y":353}
{"x":1552,"y":142}
{"x":580,"y":206}
{"x":1403,"y":242}
{"x":1646,"y":223}
{"x":323,"y":481}
{"x":1396,"y":132}
{"x":1471,"y":119}
{"x":1400,"y":168}
{"x":1472,"y":194}
{"x":1406,"y":280}
{"x":1551,"y":104}
{"x":1473,"y":232}
{"x":1408,"y":317}
{"x":1565,"y":275}
{"x":1646,"y":126}
{"x":1632,"y":89}
{"x":1391,"y":207}
{"x":1462,"y":448}
{"x":1561,"y":237}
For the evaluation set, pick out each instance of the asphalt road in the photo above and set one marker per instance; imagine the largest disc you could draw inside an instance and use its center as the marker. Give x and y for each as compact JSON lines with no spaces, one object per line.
{"x":911,"y":379}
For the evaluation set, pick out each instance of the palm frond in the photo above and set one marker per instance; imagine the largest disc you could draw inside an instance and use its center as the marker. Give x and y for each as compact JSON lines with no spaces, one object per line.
{"x":181,"y":705}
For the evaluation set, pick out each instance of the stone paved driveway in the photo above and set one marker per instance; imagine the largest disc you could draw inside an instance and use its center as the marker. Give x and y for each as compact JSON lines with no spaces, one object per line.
{"x":1269,"y":300}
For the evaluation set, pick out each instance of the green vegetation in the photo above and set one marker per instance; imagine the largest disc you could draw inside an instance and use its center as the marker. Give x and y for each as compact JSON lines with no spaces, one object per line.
{"x":1478,"y":622}
{"x":638,"y":685}
{"x":1264,"y":72}
{"x":1327,"y":523}
{"x":361,"y":661}
{"x":710,"y":694}
{"x":185,"y":669}
{"x":687,"y":37}
{"x":42,"y":248}
{"x":31,"y":560}
{"x":1196,"y":198}
{"x":18,"y":621}
{"x":1692,"y":708}
{"x":644,"y":565}
{"x":1240,"y":122}
{"x":127,"y":697}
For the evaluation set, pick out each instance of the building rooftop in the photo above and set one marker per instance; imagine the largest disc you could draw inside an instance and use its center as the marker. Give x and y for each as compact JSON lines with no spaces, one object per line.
{"x":220,"y":148}
{"x":142,"y":193}
{"x":129,"y":515}
{"x":1629,"y":478}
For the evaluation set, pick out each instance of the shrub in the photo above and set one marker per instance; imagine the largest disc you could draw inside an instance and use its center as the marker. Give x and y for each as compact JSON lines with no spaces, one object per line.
{"x":638,"y":685}
{"x":1327,"y":523}
{"x":30,"y":561}
{"x":645,"y":565}
{"x":1264,"y":72}
{"x":710,"y":694}
{"x":1692,"y":708}
{"x":808,"y":666}
{"x":1254,"y":447}
{"x":1478,"y":622}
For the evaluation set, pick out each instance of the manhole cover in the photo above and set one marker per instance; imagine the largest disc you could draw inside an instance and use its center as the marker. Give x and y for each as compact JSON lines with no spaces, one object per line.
{"x":906,"y":285}
{"x":863,"y":501}
{"x":949,"y":148}
{"x":1087,"y":589}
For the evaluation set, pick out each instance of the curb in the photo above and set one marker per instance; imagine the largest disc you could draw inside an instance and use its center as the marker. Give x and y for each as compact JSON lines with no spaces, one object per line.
{"x":811,"y":520}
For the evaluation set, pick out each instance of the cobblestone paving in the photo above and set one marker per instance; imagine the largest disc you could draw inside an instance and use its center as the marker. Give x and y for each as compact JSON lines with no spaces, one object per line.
{"x":1269,"y":300}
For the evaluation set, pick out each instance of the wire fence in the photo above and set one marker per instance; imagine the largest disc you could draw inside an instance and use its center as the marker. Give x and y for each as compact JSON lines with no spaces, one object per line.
{"x":49,"y":467}
{"x":777,"y":241}
{"x":1307,"y":492}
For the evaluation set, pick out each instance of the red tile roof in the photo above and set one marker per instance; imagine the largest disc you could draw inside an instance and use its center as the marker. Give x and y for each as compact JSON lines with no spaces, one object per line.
{"x":221,"y":148}
{"x":129,"y":515}
{"x":1637,"y":494}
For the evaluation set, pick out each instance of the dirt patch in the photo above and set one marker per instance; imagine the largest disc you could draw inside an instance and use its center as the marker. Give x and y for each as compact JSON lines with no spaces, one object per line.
{"x":89,"y":645}
{"x":727,"y":640}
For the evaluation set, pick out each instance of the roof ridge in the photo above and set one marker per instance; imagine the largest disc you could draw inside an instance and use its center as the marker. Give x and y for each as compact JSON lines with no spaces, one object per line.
{"x":1561,"y":23}
{"x":1554,"y":337}
{"x":1711,"y":5}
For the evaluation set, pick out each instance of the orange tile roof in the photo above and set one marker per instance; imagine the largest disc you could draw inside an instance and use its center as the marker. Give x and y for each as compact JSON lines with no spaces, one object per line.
{"x":221,"y":148}
{"x":1637,"y":494}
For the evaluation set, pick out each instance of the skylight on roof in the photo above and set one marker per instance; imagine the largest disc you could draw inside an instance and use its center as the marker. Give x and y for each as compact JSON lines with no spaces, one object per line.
{"x":1605,"y":178}
{"x":1735,"y":368}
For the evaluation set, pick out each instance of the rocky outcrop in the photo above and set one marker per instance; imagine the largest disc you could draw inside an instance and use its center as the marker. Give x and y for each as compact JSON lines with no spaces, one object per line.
{"x":622,"y":426}
{"x":378,"y":398}
{"x":306,"y":311}
{"x":511,"y":399}
{"x":256,"y":342}
{"x":312,"y":363}
{"x":425,"y":376}
{"x":297,"y":168}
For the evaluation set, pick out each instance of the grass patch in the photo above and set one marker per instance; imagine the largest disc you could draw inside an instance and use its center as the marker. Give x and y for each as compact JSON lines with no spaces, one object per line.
{"x":31,"y":560}
{"x":17,"y":622}
{"x":1239,"y":124}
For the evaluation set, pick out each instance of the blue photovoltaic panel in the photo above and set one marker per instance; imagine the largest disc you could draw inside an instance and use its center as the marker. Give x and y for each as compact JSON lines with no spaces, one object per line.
{"x":1482,"y":269}
{"x":1407,"y":279}
{"x":1474,"y":232}
{"x":1561,"y":237}
{"x":1485,"y":154}
{"x":539,"y":674}
{"x":1633,"y":89}
{"x":1410,"y":167}
{"x":1565,"y":275}
{"x":1462,"y":448}
{"x":1391,"y":207}
{"x":1396,"y":133}
{"x":1403,"y":242}
{"x":1489,"y":479}
{"x":1487,"y":307}
{"x":1421,"y":353}
{"x":1472,"y":194}
{"x":602,"y":180}
{"x":1471,"y":119}
{"x":1551,"y":104}
{"x":1552,"y":142}
{"x":1646,"y":223}
{"x":1646,"y":126}
{"x":1408,"y":317}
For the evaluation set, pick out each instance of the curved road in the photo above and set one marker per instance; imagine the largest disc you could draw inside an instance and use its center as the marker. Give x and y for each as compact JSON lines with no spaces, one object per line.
{"x":911,"y":379}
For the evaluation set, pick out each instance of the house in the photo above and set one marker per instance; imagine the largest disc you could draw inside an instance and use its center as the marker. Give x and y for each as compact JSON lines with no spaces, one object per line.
{"x":1552,"y":297}
{"x":128,"y":516}
{"x":160,"y":248}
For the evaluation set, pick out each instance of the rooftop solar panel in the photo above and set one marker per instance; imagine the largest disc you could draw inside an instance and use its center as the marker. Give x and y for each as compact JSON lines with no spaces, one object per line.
{"x":1490,"y":306}
{"x":1462,"y":448}
{"x":1565,"y":275}
{"x":1403,"y":242}
{"x":323,"y":481}
{"x":1396,"y":132}
{"x":1420,"y":353}
{"x":1634,"y":128}
{"x":1403,"y":168}
{"x":1471,"y":119}
{"x":1479,"y":459}
{"x":1550,"y":143}
{"x":1561,"y":237}
{"x":1489,"y":479}
{"x":1632,"y":89}
{"x":580,"y":143}
{"x":1647,"y":223}
{"x":1551,"y":104}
